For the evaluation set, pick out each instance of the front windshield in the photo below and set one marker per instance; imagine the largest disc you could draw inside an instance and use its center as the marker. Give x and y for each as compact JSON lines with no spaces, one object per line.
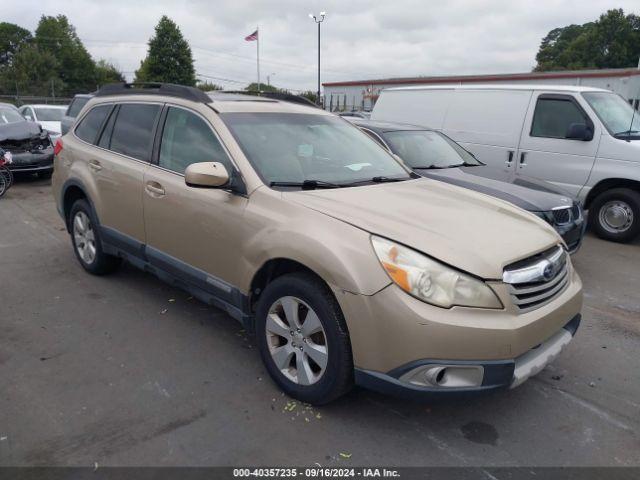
{"x":614,"y":112}
{"x":8,"y":115}
{"x":48,"y":114}
{"x":293,"y":147}
{"x":428,"y":149}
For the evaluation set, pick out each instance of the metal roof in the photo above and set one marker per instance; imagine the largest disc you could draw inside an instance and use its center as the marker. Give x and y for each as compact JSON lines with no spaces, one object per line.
{"x":612,"y":72}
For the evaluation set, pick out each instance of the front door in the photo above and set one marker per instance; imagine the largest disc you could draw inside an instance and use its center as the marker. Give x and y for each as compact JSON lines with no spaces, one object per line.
{"x":193,"y":233}
{"x":546,"y":153}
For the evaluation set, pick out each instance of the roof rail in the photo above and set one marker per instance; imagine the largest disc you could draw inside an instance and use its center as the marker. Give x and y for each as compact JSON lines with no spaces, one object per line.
{"x":154,"y":88}
{"x":285,"y":97}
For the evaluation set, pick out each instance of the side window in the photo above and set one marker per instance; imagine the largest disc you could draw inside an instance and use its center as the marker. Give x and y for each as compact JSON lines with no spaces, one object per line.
{"x":91,"y":124}
{"x":76,"y":106}
{"x":105,"y":138}
{"x":553,"y":116}
{"x":133,"y":130}
{"x":187,"y":139}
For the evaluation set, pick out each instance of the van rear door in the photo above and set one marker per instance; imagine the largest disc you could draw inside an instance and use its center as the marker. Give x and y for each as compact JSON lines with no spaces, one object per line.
{"x":488,"y":123}
{"x":546,"y":152}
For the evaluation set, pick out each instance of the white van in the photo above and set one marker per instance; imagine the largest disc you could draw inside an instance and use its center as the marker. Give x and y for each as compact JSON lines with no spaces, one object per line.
{"x":581,"y":139}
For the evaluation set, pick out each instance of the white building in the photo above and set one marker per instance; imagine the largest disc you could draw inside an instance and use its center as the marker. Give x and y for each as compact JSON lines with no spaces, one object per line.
{"x":362,"y":94}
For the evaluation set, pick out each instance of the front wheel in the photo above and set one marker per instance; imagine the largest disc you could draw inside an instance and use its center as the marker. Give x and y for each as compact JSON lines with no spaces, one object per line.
{"x":303,"y":339}
{"x":615,"y":215}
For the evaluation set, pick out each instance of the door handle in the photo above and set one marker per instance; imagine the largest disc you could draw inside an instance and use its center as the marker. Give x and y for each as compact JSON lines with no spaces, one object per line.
{"x":155,"y":189}
{"x":95,"y":165}
{"x":523,"y":156}
{"x":509,"y":158}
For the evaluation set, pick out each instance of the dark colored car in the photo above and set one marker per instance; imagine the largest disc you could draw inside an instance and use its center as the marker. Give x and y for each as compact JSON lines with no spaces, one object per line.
{"x":29,"y":144}
{"x":432,"y":154}
{"x":73,"y":110}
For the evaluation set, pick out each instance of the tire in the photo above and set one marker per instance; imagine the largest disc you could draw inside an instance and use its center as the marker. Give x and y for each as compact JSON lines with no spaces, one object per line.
{"x":615,"y":215}
{"x":84,"y":232}
{"x":3,"y":185}
{"x":8,"y":176}
{"x":314,"y":385}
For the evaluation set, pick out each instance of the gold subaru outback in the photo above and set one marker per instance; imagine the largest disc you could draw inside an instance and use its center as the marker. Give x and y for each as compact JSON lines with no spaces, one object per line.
{"x":348,"y":268}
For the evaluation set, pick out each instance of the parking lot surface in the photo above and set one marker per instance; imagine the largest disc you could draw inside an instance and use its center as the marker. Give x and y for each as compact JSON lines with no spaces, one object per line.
{"x":125,"y":370}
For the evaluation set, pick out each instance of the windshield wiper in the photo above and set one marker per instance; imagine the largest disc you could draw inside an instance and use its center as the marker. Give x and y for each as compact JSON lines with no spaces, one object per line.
{"x":383,"y":179}
{"x":626,"y":132}
{"x":308,"y":184}
{"x":436,"y":167}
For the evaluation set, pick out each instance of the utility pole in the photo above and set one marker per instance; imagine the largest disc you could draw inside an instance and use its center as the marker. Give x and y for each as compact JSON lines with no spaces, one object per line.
{"x":318,"y":20}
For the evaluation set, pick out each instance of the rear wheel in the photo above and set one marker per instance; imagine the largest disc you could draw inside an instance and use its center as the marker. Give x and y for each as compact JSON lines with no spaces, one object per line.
{"x":3,"y":185}
{"x":615,"y":215}
{"x":303,"y":339}
{"x":7,"y":175}
{"x":86,"y":241}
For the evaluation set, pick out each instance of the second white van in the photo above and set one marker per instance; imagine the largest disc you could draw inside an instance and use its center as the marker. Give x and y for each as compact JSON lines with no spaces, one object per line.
{"x":584,"y":140}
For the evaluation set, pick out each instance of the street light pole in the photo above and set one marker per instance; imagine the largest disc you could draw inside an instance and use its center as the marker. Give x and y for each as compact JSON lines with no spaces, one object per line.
{"x":318,"y":20}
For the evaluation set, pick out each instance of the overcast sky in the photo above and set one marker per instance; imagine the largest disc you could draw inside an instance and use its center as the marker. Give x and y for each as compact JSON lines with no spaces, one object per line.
{"x":360,"y":39}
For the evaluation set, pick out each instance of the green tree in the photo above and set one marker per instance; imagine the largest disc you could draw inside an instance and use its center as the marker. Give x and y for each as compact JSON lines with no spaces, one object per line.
{"x":612,"y":41}
{"x":311,"y":95}
{"x":169,"y":57}
{"x":253,"y":87}
{"x":12,"y":37}
{"x":207,"y":86}
{"x":107,"y":73}
{"x":76,"y":68}
{"x":33,"y":72}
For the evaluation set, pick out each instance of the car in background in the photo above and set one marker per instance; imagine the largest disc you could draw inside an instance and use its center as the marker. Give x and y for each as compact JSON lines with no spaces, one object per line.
{"x":432,"y":154}
{"x":48,"y":116}
{"x":355,"y":114}
{"x":9,"y":105}
{"x":585,"y":140}
{"x":73,"y":110}
{"x":30,"y":146}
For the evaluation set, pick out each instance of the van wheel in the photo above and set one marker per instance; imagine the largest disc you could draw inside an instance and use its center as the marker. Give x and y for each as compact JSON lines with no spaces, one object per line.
{"x":303,"y":339}
{"x":86,"y":241}
{"x":615,"y":215}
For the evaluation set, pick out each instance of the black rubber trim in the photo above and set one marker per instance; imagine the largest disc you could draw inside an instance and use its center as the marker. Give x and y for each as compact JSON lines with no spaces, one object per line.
{"x":573,"y":325}
{"x":151,"y":88}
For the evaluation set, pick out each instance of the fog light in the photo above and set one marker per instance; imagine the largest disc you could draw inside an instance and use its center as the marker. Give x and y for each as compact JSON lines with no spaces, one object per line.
{"x":445,"y":376}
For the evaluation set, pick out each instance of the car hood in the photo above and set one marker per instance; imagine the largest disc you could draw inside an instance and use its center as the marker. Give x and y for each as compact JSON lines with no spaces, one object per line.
{"x":468,"y":230}
{"x":19,"y":131}
{"x":529,"y":193}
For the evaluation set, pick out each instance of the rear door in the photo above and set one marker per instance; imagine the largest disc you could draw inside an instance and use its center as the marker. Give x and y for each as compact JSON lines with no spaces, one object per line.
{"x":546,"y":153}
{"x":192,"y":232}
{"x":488,"y":123}
{"x":118,"y":165}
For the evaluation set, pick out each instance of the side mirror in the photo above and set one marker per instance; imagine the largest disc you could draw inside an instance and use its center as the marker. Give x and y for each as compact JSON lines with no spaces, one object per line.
{"x":206,"y":174}
{"x":579,"y":131}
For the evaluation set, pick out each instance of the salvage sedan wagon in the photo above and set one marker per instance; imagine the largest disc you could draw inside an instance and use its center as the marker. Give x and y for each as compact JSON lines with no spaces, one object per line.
{"x":348,"y":268}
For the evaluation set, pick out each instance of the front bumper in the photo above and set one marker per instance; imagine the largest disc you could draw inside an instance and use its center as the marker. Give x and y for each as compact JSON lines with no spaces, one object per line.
{"x":28,"y":162}
{"x":496,"y":375}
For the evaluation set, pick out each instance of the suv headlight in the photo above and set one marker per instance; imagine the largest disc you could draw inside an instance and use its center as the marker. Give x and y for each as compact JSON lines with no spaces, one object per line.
{"x":431,"y":281}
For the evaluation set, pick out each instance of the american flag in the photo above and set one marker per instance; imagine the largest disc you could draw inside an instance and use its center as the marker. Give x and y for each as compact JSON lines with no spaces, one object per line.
{"x":253,"y":37}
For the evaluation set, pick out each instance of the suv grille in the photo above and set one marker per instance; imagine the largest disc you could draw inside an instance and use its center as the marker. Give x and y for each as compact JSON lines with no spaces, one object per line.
{"x":538,"y":280}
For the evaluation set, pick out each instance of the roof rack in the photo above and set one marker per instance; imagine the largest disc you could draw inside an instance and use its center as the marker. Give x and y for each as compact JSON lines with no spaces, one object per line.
{"x":154,"y":88}
{"x":285,"y":97}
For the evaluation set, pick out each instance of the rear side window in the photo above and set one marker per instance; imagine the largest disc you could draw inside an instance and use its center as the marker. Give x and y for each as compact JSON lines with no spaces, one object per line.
{"x":76,"y":106}
{"x":188,"y":139}
{"x":133,"y":130}
{"x":553,"y":117}
{"x":91,"y":124}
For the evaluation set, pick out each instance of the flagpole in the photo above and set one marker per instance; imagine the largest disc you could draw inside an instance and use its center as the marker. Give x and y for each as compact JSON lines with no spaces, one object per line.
{"x":258,"y":54}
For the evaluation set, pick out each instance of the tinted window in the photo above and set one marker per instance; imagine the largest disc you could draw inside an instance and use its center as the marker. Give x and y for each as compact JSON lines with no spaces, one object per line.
{"x":133,"y":130}
{"x":188,"y":139}
{"x":553,"y":117}
{"x":76,"y":106}
{"x":90,"y":125}
{"x":428,"y":149}
{"x":105,"y":138}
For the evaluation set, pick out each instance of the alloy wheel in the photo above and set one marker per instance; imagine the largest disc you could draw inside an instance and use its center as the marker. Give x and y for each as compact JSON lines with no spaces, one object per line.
{"x":297,"y":340}
{"x":616,"y":216}
{"x":84,"y":237}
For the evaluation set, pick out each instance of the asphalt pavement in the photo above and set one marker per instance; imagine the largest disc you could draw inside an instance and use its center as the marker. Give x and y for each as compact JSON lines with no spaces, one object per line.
{"x":125,"y":370}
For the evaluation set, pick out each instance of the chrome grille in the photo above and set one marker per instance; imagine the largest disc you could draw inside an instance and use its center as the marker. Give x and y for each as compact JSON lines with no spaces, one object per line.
{"x":538,"y":280}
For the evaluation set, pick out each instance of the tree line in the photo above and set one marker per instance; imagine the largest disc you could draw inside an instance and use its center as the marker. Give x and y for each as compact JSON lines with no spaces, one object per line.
{"x":612,"y":41}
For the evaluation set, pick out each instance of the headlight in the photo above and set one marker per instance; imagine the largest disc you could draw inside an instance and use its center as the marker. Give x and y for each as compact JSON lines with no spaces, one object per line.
{"x":431,"y":281}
